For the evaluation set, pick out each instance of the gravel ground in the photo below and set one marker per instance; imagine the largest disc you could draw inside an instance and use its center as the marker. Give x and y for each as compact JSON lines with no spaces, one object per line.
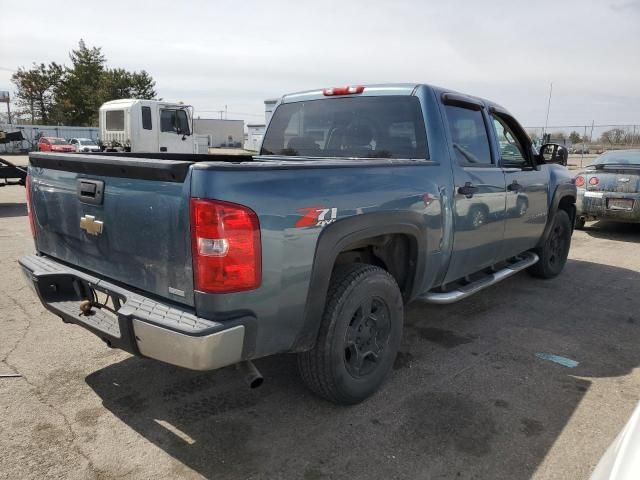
{"x":468,"y":398}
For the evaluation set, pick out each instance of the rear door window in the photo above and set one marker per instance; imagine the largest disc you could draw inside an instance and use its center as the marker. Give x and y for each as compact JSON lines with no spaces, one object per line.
{"x":349,"y":127}
{"x":469,"y":136}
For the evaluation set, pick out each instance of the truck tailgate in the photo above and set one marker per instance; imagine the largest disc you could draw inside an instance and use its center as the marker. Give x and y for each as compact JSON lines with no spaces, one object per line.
{"x":125,"y":220}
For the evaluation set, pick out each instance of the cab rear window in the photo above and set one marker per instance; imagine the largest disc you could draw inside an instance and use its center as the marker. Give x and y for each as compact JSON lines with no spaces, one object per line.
{"x":348,"y":127}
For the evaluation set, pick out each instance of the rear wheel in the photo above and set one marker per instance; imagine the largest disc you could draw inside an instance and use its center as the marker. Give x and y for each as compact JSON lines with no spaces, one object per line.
{"x":555,"y":250}
{"x":580,"y":221}
{"x":359,"y":336}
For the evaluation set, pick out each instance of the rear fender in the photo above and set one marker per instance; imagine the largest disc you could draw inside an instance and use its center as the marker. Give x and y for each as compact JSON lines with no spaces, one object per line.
{"x":337,"y":237}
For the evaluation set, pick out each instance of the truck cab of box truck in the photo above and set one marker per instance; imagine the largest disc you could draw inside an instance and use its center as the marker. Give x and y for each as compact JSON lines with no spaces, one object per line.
{"x":132,"y":125}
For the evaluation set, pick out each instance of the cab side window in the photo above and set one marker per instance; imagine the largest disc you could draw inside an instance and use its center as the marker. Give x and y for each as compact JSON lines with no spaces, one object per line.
{"x":469,"y":136}
{"x":168,"y":121}
{"x":146,"y":118}
{"x":174,"y":121}
{"x":511,"y":149}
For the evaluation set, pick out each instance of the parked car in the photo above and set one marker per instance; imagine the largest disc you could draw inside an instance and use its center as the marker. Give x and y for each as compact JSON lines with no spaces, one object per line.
{"x":84,"y":145}
{"x":357,"y":204}
{"x":609,"y":188}
{"x":621,"y":461}
{"x":54,"y":144}
{"x":580,"y":150}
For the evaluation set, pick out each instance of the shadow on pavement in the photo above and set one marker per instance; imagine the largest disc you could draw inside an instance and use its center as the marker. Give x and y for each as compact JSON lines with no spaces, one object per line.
{"x":468,"y":397}
{"x":13,"y":210}
{"x":625,"y":232}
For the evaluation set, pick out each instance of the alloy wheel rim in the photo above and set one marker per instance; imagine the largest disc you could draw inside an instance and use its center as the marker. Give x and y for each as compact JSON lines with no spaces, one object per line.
{"x":556,"y":244}
{"x":367,"y":336}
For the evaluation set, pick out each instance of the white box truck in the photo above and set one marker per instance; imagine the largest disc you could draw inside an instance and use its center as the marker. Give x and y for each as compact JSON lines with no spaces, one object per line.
{"x":147,"y":126}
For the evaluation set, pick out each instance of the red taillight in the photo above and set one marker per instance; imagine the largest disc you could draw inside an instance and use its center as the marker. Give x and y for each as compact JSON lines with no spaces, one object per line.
{"x":32,"y":222}
{"x":225,"y":245}
{"x":579,"y":181}
{"x":330,"y":92}
{"x":594,"y":181}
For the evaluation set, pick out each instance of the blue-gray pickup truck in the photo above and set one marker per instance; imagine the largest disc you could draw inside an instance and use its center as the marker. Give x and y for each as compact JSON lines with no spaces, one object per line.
{"x":361,"y":200}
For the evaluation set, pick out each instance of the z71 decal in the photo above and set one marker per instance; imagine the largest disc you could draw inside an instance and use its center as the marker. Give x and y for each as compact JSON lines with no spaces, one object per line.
{"x":316,"y":217}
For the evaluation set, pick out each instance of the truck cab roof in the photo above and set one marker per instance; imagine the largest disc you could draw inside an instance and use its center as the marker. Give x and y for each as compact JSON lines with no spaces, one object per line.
{"x":376,"y":90}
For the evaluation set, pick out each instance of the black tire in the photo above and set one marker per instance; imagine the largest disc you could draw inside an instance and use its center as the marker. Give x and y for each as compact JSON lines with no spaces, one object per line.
{"x":553,"y":254}
{"x":342,"y":367}
{"x":579,"y":224}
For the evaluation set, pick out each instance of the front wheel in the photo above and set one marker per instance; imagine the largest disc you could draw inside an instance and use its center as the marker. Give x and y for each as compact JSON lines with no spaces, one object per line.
{"x":555,"y":250}
{"x":359,"y":335}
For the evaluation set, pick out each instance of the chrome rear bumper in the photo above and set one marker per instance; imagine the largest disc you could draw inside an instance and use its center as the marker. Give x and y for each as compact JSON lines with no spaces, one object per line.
{"x":139,"y":325}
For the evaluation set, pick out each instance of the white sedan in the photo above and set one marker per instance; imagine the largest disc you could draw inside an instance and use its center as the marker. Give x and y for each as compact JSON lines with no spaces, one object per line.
{"x":84,"y":145}
{"x":622,"y":460}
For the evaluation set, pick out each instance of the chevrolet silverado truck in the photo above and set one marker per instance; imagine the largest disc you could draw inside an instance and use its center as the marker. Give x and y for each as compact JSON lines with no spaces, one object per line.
{"x":361,"y":200}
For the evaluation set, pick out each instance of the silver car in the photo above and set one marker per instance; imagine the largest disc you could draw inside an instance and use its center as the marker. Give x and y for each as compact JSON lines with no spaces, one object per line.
{"x":609,"y":189}
{"x":84,"y":145}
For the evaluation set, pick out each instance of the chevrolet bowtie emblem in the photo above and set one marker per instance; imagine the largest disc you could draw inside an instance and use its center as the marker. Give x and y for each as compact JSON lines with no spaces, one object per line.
{"x":92,"y":226}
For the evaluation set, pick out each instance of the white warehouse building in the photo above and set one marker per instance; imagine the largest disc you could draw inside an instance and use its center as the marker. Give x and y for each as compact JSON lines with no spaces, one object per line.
{"x":221,"y":133}
{"x":255,"y":134}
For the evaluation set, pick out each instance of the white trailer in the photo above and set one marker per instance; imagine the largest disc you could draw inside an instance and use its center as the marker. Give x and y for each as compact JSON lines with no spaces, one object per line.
{"x":147,"y":126}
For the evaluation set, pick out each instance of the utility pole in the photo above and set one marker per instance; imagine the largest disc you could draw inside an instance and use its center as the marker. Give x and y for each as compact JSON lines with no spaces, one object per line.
{"x":546,"y":122}
{"x":4,"y":97}
{"x":9,"y":109}
{"x":584,"y":137}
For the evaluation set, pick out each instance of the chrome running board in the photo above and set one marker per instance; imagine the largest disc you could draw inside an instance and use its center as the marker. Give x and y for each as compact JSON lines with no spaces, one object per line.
{"x":523,"y":261}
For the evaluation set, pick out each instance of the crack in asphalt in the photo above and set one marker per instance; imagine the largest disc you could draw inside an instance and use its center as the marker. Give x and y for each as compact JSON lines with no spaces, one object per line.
{"x":20,"y":307}
{"x":37,"y":390}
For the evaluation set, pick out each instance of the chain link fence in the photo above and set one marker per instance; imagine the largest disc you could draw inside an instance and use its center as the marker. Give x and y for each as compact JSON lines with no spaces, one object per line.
{"x":32,"y":134}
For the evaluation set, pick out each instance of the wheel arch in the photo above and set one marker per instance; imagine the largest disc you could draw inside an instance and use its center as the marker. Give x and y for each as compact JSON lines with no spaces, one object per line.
{"x":339,"y":237}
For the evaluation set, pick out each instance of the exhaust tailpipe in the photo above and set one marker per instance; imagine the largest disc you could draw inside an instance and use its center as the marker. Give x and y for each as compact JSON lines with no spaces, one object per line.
{"x":250,"y":373}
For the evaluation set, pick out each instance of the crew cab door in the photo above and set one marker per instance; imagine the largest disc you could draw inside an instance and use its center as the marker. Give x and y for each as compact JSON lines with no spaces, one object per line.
{"x":527,"y":186}
{"x":175,"y":132}
{"x":479,"y":191}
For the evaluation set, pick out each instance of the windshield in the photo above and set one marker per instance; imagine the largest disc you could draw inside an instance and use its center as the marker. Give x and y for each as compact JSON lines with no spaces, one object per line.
{"x":619,"y":157}
{"x":58,"y":141}
{"x":363,"y":127}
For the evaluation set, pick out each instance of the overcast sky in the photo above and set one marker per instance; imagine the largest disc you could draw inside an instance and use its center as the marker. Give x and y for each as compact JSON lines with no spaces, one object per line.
{"x":216,"y":53}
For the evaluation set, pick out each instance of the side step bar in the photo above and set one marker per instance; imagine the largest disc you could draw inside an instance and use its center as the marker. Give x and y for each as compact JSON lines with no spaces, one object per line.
{"x":526,"y":260}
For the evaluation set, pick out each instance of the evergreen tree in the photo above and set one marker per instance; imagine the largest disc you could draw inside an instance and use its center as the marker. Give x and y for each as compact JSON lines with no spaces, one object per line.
{"x":35,"y":90}
{"x":72,"y":95}
{"x":78,"y":93}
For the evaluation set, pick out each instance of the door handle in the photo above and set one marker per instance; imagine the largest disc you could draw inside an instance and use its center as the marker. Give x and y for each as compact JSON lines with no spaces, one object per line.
{"x":467,"y":190}
{"x":163,"y":149}
{"x":514,"y":186}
